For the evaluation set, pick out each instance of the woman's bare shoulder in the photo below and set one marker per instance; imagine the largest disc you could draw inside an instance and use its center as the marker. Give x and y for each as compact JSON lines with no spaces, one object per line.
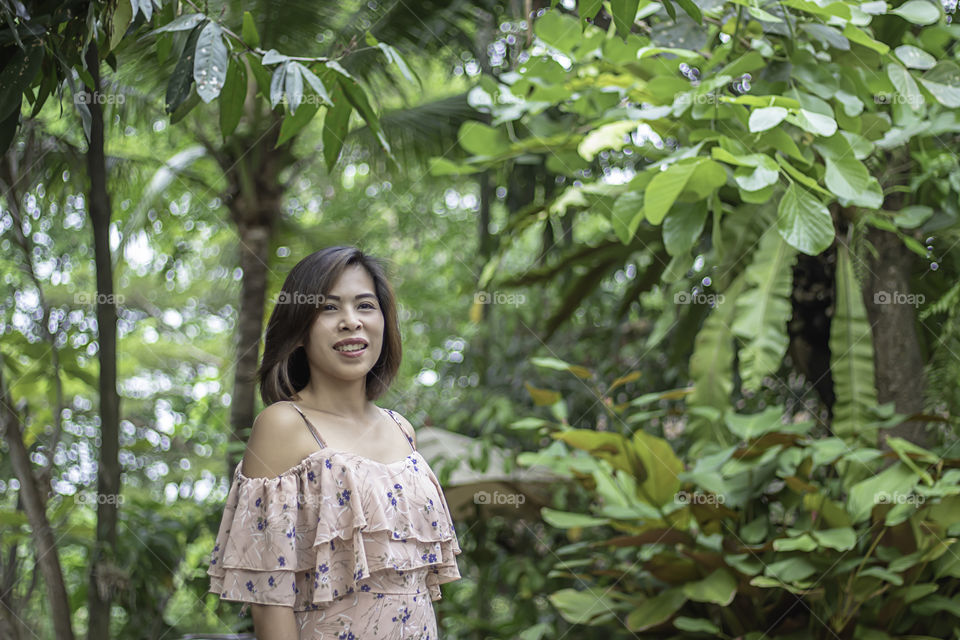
{"x":407,"y":427}
{"x":269,"y":451}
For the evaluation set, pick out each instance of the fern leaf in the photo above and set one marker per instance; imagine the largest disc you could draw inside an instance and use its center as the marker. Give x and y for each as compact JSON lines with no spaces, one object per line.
{"x":764,"y":309}
{"x":851,"y":358}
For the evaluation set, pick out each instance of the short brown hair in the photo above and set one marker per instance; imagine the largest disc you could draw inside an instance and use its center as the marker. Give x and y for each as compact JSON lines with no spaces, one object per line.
{"x":284,"y":369}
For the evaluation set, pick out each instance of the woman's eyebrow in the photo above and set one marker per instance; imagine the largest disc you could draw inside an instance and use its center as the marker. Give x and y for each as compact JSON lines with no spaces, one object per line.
{"x":356,"y":297}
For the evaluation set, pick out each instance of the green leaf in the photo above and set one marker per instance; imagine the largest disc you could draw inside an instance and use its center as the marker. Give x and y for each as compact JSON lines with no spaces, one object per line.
{"x":394,"y":57}
{"x":691,"y":9}
{"x":483,"y":140}
{"x":918,"y":12}
{"x":440,"y":166}
{"x":335,"y":126}
{"x":182,"y":77}
{"x":294,"y":122}
{"x":210,"y":65}
{"x":696,"y":625}
{"x":358,"y":98}
{"x":914,"y":57}
{"x":912,"y":216}
{"x":588,"y":10}
{"x":851,"y":357}
{"x":182,"y":23}
{"x":846,"y":176}
{"x":719,"y":587}
{"x":905,"y":85}
{"x":656,"y":610}
{"x":683,"y":226}
{"x":17,"y":74}
{"x":626,"y":215}
{"x":566,"y":520}
{"x":749,"y":426}
{"x":558,"y":30}
{"x":663,"y":468}
{"x":624,"y":13}
{"x":232,"y":97}
{"x":582,"y":606}
{"x":804,"y":222}
{"x":817,"y":123}
{"x":276,"y":84}
{"x":790,"y":569}
{"x":892,"y":485}
{"x":249,"y":31}
{"x":664,"y":187}
{"x":766,"y":118}
{"x":841,"y":539}
{"x":122,"y":17}
{"x":803,"y":542}
{"x":943,"y":81}
{"x":293,"y":85}
{"x":764,"y":309}
{"x":855,"y":34}
{"x":315,"y":83}
{"x":612,"y":135}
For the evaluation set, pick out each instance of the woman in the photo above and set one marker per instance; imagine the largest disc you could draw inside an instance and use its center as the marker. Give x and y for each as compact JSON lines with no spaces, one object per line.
{"x":328,"y":531}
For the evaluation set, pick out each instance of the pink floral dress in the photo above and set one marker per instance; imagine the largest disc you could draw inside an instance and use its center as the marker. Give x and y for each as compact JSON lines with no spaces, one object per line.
{"x":359,"y":548}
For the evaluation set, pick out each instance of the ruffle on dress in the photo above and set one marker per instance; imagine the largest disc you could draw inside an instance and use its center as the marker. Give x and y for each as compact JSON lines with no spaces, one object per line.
{"x":335,"y":523}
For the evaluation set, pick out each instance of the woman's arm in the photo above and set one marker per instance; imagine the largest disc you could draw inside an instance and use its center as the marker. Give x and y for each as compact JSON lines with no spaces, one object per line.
{"x":274,"y":622}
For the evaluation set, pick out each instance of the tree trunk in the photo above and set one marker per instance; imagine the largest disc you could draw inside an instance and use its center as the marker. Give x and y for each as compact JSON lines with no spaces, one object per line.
{"x":898,"y":366}
{"x":254,"y":197}
{"x":99,"y":594}
{"x":48,"y":559}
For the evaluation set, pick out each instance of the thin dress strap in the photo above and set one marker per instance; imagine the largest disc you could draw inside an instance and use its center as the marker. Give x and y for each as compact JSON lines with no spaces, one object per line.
{"x":313,"y":430}
{"x":409,"y":439}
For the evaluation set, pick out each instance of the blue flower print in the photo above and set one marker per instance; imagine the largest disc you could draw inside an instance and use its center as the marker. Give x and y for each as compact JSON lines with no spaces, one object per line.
{"x":259,"y":500}
{"x":346,"y":635}
{"x":398,"y":486}
{"x":292,"y":532}
{"x":282,"y":561}
{"x":327,"y":463}
{"x":393,"y":500}
{"x":343,"y":497}
{"x":270,"y":581}
{"x":250,"y":586}
{"x":365,"y":587}
{"x":324,"y":568}
{"x":311,"y":476}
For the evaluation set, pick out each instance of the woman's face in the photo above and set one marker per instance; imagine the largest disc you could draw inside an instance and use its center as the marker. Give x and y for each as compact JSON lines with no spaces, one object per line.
{"x":350,"y":310}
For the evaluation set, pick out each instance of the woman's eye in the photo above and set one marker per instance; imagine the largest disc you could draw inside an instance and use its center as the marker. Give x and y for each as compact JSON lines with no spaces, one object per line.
{"x":327,"y":306}
{"x":369,"y":304}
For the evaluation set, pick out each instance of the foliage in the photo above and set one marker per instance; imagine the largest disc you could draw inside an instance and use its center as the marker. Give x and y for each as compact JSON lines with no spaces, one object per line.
{"x":785,"y":533}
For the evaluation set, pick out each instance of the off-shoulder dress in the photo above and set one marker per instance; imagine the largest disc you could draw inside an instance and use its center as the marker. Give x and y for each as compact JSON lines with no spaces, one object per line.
{"x":359,"y":548}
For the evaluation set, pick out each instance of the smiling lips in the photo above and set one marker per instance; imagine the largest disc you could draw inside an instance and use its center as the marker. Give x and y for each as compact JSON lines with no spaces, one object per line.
{"x":351,"y":347}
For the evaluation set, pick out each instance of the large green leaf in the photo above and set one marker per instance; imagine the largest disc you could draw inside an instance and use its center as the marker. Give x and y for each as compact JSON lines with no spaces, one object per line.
{"x":763,"y":310}
{"x":665,"y":187}
{"x":917,"y":12}
{"x":210,"y":64}
{"x":662,"y":466}
{"x":656,"y":610}
{"x":232,"y":97}
{"x":804,"y":222}
{"x":943,"y":81}
{"x":893,"y":485}
{"x":846,"y":176}
{"x":719,"y":587}
{"x":851,"y":357}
